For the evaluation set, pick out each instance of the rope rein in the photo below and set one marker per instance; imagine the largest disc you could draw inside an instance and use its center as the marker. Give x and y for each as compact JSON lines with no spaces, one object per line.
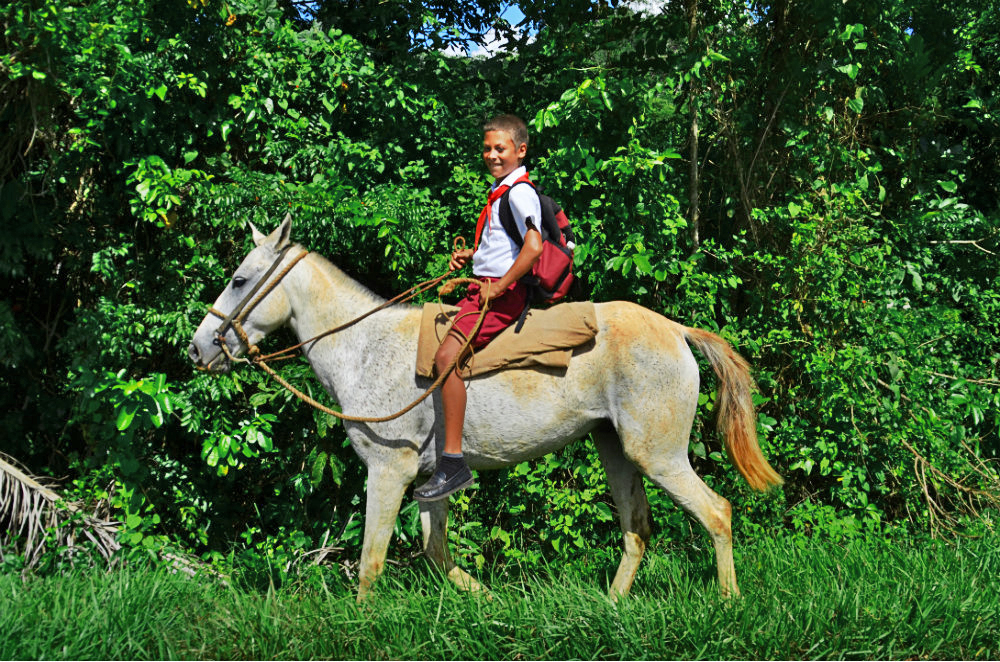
{"x":255,"y":358}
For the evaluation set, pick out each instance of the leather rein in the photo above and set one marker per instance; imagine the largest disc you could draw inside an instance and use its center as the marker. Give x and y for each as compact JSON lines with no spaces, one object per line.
{"x":262,"y":288}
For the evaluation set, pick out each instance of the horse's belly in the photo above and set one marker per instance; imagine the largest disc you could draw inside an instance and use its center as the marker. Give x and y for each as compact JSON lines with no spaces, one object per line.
{"x":495,"y":452}
{"x":528,"y":416}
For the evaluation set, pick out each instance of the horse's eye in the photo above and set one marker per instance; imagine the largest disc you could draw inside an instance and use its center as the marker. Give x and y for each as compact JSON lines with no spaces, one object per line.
{"x":239,"y":281}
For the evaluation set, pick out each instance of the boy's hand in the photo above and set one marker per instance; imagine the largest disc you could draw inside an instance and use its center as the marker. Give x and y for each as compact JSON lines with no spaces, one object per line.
{"x":488,"y":291}
{"x":459,"y":258}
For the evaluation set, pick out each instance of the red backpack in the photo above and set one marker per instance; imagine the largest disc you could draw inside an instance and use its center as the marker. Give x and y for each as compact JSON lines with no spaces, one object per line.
{"x":552,"y":275}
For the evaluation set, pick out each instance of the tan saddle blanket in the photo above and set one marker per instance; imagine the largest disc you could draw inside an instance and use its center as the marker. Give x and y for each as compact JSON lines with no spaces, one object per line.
{"x":547,"y":339}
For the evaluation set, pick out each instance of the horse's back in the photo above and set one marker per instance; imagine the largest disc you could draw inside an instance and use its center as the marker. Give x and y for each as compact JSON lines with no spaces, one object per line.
{"x":638,"y":363}
{"x":632,"y":330}
{"x":635,"y":348}
{"x":646,"y":355}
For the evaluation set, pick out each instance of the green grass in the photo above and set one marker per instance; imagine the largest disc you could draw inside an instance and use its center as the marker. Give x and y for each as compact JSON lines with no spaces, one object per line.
{"x":801,"y":599}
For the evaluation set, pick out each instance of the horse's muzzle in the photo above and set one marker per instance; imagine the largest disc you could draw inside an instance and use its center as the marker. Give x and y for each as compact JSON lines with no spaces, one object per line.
{"x":217,"y":363}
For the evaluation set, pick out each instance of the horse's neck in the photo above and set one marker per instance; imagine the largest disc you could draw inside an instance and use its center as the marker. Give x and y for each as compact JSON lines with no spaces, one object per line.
{"x":363,"y":360}
{"x":324,"y":297}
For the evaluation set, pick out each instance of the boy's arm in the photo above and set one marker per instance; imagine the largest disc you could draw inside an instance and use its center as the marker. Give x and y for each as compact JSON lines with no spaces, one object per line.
{"x":530,"y":252}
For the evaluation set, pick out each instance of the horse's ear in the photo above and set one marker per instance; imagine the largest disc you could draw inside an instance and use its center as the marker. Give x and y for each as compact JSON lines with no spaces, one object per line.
{"x":282,"y":235}
{"x":258,"y":236}
{"x":277,"y":239}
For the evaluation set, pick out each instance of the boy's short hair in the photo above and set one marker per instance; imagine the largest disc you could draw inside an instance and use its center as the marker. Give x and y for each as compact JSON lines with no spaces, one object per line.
{"x":512,"y":124}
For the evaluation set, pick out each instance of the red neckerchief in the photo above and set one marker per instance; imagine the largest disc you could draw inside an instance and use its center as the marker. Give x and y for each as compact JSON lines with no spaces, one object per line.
{"x":494,"y":195}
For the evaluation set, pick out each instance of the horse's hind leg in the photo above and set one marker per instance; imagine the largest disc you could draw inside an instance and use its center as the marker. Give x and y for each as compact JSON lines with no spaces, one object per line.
{"x":675,"y":475}
{"x":434,"y":522}
{"x":629,"y":495}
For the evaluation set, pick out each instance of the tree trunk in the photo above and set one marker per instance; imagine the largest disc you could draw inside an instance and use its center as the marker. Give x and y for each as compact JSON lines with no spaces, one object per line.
{"x":694,"y":180}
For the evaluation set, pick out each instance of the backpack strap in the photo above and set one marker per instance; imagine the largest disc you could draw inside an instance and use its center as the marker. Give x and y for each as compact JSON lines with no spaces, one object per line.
{"x":507,"y":214}
{"x":510,"y":227}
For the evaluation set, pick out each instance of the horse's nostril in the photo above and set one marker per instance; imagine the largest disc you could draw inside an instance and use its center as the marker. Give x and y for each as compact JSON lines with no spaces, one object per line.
{"x":194,"y":354}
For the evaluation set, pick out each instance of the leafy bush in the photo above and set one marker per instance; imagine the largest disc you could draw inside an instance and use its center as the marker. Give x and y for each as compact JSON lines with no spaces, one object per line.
{"x":838,"y":224}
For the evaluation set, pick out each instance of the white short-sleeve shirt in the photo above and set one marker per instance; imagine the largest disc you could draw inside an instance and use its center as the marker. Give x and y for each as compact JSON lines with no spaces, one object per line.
{"x":497,"y":251}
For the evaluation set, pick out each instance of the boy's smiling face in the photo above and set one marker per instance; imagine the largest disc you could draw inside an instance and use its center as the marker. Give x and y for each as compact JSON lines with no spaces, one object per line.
{"x":500,"y":154}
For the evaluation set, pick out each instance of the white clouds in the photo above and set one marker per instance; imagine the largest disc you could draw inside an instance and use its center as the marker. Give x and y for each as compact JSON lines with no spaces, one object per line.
{"x":647,"y":7}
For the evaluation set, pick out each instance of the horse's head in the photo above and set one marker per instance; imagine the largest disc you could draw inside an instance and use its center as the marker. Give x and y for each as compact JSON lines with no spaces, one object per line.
{"x":252,"y":305}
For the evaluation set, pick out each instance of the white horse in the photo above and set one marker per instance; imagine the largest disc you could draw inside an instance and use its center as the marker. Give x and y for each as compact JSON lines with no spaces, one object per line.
{"x":634,"y":388}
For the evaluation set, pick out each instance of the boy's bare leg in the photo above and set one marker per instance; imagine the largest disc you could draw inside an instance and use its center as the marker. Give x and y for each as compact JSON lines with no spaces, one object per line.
{"x":452,"y":472}
{"x":453,"y":398}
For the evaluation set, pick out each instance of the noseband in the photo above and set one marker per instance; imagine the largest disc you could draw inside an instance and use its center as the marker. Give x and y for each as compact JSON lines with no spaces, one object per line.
{"x":238,"y":315}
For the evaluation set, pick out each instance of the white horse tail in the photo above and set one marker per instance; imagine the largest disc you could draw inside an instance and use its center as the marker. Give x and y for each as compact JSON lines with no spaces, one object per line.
{"x":736,"y":420}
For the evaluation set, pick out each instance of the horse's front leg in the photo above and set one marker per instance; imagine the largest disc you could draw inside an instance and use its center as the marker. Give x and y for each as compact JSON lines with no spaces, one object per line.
{"x":386,"y":485}
{"x":434,"y":522}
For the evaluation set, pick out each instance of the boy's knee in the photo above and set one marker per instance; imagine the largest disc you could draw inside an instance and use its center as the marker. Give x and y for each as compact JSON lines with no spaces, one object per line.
{"x":444,"y":356}
{"x":446,"y":353}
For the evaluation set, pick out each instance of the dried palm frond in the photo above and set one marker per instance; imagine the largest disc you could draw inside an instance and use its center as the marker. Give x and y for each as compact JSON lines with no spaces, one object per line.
{"x":33,"y":515}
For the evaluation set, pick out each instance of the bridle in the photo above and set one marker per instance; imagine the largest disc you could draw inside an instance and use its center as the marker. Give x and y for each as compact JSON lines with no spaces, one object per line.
{"x":239,"y":314}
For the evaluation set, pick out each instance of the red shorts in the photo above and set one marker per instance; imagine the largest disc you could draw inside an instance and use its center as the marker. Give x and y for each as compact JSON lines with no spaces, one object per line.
{"x":504,"y":310}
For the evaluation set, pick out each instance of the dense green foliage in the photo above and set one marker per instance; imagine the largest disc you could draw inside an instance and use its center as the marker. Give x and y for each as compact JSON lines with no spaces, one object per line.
{"x":836,"y":219}
{"x":802,"y":600}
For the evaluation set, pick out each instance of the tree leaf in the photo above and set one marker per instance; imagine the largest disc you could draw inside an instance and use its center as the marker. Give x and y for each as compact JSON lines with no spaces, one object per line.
{"x":125,"y":416}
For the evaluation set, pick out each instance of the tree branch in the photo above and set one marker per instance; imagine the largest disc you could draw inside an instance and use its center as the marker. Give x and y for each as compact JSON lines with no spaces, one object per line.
{"x":970,"y":242}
